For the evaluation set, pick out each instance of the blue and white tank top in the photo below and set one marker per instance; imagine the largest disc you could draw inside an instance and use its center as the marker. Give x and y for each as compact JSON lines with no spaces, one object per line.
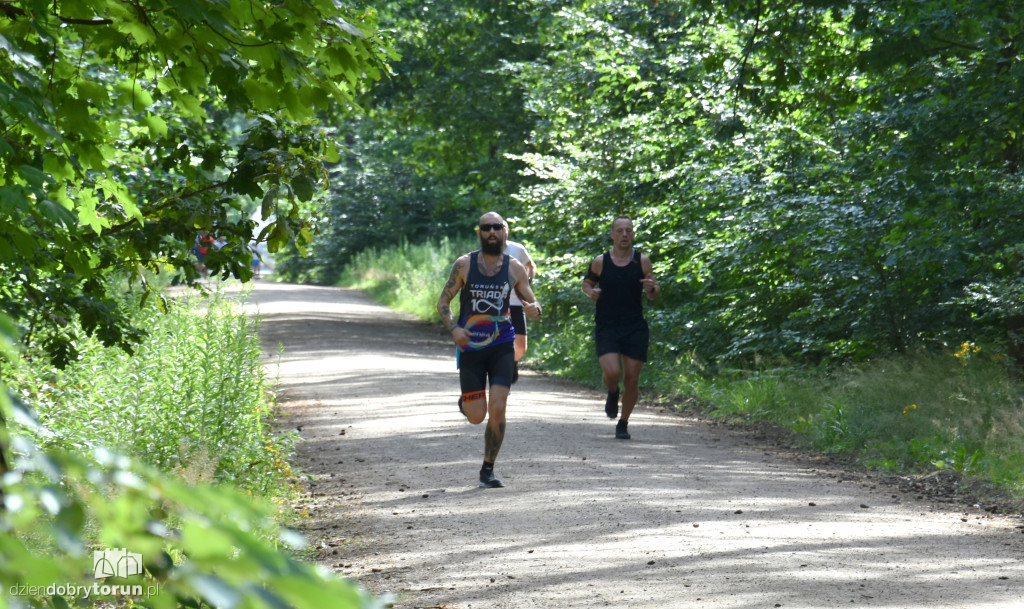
{"x":484,"y":306}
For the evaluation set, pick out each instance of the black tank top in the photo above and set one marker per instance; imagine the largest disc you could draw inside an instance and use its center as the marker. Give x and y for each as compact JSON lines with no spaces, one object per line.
{"x":484,"y":306}
{"x":620,"y":303}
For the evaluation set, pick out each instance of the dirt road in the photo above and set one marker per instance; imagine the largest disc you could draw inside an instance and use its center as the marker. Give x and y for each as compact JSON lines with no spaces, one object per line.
{"x":683,"y":515}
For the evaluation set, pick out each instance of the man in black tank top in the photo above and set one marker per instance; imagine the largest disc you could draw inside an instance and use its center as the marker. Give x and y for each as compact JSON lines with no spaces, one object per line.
{"x":484,"y":333}
{"x":615,"y":280}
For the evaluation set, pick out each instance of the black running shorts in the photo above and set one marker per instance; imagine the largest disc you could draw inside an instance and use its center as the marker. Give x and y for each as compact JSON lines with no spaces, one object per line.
{"x":631,"y":340}
{"x":497,"y":362}
{"x":518,"y":316}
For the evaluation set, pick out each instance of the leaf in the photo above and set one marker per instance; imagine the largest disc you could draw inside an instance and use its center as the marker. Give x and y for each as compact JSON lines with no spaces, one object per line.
{"x":346,"y":26}
{"x":56,"y":213}
{"x":203,"y":542}
{"x":133,"y":95}
{"x":90,"y":157}
{"x":140,"y":32}
{"x":87,"y":213}
{"x":33,"y":175}
{"x":269,"y":205}
{"x":58,"y":167}
{"x":19,"y":57}
{"x":117,"y":192}
{"x":189,"y":104}
{"x":95,"y":93}
{"x":304,"y":188}
{"x":215,"y":590}
{"x":13,"y":199}
{"x":263,"y":96}
{"x":156,"y":125}
{"x":8,"y":337}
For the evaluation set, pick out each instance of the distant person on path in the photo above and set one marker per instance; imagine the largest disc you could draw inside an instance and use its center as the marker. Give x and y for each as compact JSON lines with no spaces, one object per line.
{"x":484,"y":281}
{"x":615,"y":281}
{"x":201,"y":248}
{"x":256,"y":261}
{"x":517,"y":251}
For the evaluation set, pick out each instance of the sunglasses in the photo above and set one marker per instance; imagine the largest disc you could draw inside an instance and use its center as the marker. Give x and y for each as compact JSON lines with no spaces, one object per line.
{"x":494,"y":227}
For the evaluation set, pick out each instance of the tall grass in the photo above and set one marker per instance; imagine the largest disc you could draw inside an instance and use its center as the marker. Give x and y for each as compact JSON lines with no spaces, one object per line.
{"x":954,"y":410}
{"x":957,"y":410}
{"x":406,"y":277}
{"x":193,"y":399}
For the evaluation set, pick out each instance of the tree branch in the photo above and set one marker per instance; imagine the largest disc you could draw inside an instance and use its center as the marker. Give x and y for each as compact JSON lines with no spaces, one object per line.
{"x":10,"y":10}
{"x":72,"y":21}
{"x":162,"y":206}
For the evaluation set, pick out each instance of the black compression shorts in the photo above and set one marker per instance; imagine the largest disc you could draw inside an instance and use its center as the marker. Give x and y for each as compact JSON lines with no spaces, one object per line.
{"x":497,"y":362}
{"x":631,"y":340}
{"x":518,"y":316}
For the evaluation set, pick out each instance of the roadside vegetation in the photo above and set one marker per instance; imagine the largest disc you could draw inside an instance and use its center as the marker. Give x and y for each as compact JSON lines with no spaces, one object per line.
{"x":406,"y":277}
{"x":168,"y":452}
{"x":956,"y":409}
{"x":192,"y":398}
{"x":131,"y":140}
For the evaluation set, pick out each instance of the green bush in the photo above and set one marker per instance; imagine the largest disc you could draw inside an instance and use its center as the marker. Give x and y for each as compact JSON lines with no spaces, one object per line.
{"x":200,"y":545}
{"x":193,"y":398}
{"x":64,"y":497}
{"x":406,"y":277}
{"x":955,"y":410}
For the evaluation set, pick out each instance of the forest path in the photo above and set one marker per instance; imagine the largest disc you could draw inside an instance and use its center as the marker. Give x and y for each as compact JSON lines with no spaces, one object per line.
{"x":685,"y":514}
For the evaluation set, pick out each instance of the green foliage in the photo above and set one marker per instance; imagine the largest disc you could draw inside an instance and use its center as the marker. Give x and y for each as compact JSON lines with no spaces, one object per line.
{"x":808,"y":184}
{"x":915,"y":412}
{"x":433,"y":151}
{"x":815,"y":181}
{"x":406,"y":277}
{"x":201,"y":545}
{"x":127,"y":130}
{"x":192,"y":399}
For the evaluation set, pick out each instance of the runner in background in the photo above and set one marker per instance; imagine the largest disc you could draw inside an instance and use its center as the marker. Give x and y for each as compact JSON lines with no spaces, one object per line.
{"x":615,"y":280}
{"x":518,"y":251}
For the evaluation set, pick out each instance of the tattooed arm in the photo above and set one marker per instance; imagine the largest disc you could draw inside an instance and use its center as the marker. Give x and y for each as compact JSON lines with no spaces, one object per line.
{"x":456,"y":281}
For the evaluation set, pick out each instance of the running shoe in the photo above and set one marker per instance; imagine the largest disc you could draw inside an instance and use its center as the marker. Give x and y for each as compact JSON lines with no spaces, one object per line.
{"x":487,"y":480}
{"x":611,"y":404}
{"x":620,"y":430}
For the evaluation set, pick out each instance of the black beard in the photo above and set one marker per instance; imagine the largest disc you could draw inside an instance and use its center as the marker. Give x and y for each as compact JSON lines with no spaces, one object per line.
{"x":492,"y":249}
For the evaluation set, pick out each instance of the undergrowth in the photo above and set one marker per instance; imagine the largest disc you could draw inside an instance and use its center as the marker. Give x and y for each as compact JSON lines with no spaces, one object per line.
{"x":406,"y":277}
{"x":192,"y":400}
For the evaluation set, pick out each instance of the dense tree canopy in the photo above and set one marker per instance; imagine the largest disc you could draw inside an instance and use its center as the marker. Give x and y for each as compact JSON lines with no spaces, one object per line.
{"x":130,"y":128}
{"x":820,"y":179}
{"x":816,"y":180}
{"x":432,"y":148}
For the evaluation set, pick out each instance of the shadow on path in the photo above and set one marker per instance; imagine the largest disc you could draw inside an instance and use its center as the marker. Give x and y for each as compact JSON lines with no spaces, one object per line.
{"x":683,"y":515}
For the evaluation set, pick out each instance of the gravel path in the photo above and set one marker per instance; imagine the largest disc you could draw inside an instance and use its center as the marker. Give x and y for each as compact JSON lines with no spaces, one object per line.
{"x":685,"y":514}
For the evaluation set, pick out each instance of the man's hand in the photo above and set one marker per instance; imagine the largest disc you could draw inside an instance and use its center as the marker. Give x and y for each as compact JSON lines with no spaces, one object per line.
{"x":594,"y":294}
{"x":651,"y":286}
{"x":532,"y":309}
{"x":460,"y":335}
